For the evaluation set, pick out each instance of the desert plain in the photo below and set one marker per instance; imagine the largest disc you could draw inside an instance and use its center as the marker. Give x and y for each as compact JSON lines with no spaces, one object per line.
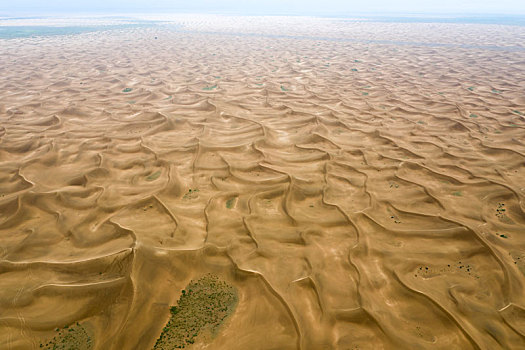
{"x":222,"y":182}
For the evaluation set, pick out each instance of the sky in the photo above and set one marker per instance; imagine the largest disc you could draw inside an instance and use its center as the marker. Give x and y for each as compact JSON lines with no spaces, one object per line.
{"x":294,"y":7}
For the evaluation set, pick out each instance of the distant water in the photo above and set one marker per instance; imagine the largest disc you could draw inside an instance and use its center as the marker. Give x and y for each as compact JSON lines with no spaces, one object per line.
{"x":11,"y":32}
{"x":502,"y":20}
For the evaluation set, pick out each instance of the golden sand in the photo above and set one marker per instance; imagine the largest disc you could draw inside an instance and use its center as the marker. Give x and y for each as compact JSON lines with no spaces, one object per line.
{"x":357,"y":194}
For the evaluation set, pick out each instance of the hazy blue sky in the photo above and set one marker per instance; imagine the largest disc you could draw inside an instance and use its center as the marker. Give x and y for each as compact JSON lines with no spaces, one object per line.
{"x":333,"y":7}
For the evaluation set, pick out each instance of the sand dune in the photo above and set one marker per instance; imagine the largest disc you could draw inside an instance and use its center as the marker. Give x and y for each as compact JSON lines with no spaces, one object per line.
{"x":355,"y":194}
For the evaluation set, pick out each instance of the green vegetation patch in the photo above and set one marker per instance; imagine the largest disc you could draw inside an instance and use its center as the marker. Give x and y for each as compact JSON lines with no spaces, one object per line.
{"x":365,"y":93}
{"x":208,"y":88}
{"x":470,"y":88}
{"x":472,"y":115}
{"x":153,"y":176}
{"x":496,"y":91}
{"x":283,"y":88}
{"x":202,"y":307}
{"x":230,"y":202}
{"x":127,"y":90}
{"x":518,"y":112}
{"x":429,"y":271}
{"x":191,"y":194}
{"x":354,"y":69}
{"x":396,"y":219}
{"x":70,"y":337}
{"x":457,"y":194}
{"x":500,"y":210}
{"x":501,"y":213}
